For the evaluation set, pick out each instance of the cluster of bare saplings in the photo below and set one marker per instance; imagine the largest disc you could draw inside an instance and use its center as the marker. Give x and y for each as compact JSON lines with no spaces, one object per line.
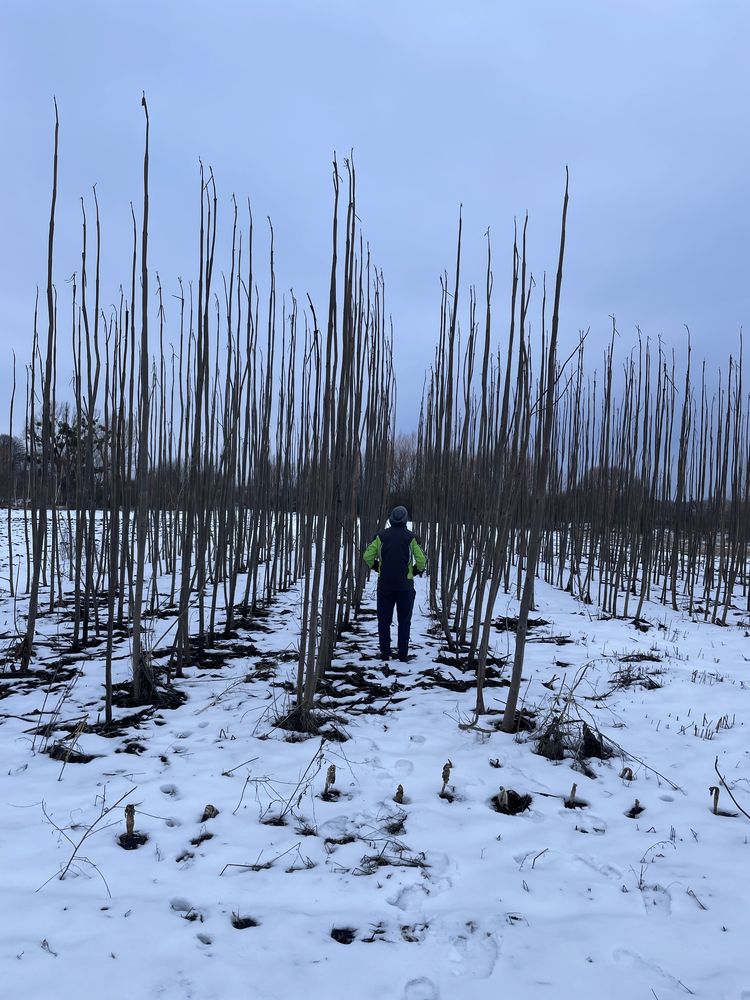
{"x":203,"y":465}
{"x":204,"y":476}
{"x":629,"y":486}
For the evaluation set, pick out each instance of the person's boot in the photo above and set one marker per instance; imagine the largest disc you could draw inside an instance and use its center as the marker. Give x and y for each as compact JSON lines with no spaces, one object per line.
{"x":385,"y":656}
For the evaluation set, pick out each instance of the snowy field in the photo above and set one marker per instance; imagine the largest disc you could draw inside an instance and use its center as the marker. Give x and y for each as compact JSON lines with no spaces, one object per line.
{"x":350,"y":894}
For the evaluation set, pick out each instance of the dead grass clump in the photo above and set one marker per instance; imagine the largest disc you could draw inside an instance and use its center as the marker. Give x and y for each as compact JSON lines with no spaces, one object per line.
{"x":551,"y":743}
{"x":592,"y":745}
{"x":306,"y":829}
{"x":628,"y":677}
{"x":395,"y":826}
{"x":572,"y":738}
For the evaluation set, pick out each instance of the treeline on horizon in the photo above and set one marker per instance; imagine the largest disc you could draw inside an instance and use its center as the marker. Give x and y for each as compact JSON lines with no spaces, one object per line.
{"x":207,"y":465}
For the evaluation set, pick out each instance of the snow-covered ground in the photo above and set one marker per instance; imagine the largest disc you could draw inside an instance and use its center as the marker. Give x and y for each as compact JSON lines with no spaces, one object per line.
{"x":441,"y":897}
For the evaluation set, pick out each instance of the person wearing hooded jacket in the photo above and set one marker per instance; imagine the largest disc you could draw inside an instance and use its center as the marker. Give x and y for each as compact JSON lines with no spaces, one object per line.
{"x":397,"y":557}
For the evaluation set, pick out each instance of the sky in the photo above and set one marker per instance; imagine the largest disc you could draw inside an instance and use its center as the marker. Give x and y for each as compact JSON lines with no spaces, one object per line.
{"x":479,"y":103}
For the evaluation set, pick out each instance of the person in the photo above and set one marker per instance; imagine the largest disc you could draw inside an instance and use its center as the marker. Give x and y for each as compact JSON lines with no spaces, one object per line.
{"x":397,"y":557}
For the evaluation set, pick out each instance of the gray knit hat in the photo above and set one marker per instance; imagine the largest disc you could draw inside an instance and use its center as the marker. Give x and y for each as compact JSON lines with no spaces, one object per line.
{"x":399,"y":515}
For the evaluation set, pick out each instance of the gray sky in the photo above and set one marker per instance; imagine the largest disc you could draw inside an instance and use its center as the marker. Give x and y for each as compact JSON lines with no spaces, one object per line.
{"x":474,"y":102}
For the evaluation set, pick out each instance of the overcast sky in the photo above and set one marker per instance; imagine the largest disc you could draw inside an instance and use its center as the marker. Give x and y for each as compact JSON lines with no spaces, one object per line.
{"x":479,"y":102}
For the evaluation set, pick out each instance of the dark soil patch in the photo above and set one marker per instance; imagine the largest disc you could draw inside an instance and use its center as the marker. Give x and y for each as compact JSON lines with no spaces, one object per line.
{"x":312,"y":724}
{"x":593,"y":745}
{"x":332,"y":795}
{"x":344,"y":935}
{"x":512,"y":803}
{"x":131,"y":747}
{"x":201,"y":838}
{"x":437,"y":679}
{"x":223,"y":647}
{"x":635,"y":810}
{"x":242,"y":923}
{"x":395,"y":827}
{"x":206,"y":659}
{"x":184,"y":856}
{"x":575,"y":803}
{"x":68,"y":755}
{"x":414,"y":932}
{"x":132,"y":841}
{"x":340,"y":841}
{"x":167,"y":697}
{"x":334,"y":734}
{"x":642,"y":625}
{"x":273,"y":821}
{"x":555,"y":640}
{"x":524,"y":721}
{"x":640,"y":657}
{"x":287,"y":686}
{"x":18,"y":682}
{"x":511,"y":624}
{"x":348,"y":681}
{"x":119,"y":727}
{"x":265,"y":664}
{"x":465,"y":663}
{"x":285,"y":655}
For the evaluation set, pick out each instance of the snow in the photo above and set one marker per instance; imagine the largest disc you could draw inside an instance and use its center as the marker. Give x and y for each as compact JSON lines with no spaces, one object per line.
{"x":553,"y":902}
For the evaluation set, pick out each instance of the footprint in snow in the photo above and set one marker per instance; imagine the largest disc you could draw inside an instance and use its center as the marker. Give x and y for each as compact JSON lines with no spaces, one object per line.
{"x":656,"y":897}
{"x":184,"y":986}
{"x":421,"y":989}
{"x":409,"y":898}
{"x":473,"y":954}
{"x":636,"y":961}
{"x":170,"y":790}
{"x":439,"y":864}
{"x":403,"y":767}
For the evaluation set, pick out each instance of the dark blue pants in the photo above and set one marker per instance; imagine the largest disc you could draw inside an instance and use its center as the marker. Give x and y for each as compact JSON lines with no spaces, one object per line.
{"x":403,"y":602}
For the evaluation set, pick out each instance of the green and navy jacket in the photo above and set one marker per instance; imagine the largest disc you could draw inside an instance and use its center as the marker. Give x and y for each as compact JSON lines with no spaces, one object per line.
{"x":396,"y":554}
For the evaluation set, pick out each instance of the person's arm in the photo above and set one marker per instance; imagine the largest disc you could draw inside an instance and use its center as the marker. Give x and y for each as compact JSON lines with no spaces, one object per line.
{"x":371,"y":555}
{"x":420,"y":559}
